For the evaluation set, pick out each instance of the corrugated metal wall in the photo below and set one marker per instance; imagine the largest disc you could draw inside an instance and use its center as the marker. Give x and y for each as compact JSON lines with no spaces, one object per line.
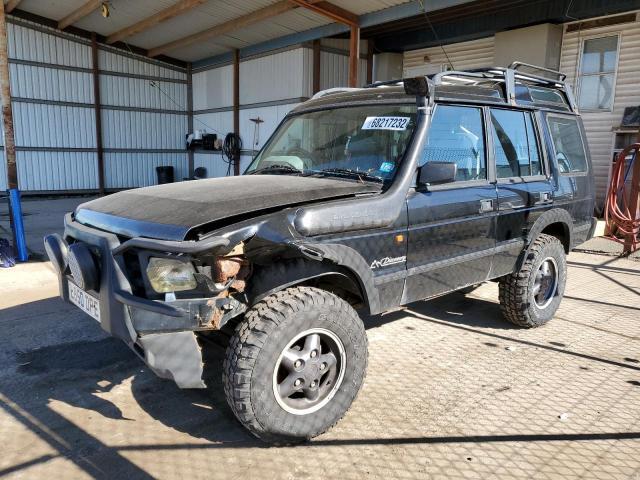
{"x":54,"y":128}
{"x":334,"y":70}
{"x":143,"y":113}
{"x":270,"y":86}
{"x":334,"y":63}
{"x":463,"y":55}
{"x":627,"y":93}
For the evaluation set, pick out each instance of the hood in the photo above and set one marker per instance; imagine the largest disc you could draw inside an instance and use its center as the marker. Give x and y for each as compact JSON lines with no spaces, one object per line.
{"x":169,"y":211}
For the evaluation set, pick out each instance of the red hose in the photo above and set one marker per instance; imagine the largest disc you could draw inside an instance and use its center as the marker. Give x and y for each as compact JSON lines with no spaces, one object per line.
{"x":617,"y":213}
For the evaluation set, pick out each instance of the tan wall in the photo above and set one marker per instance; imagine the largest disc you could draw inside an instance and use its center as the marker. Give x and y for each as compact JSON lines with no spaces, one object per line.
{"x":599,"y":125}
{"x":463,"y":55}
{"x":537,"y":45}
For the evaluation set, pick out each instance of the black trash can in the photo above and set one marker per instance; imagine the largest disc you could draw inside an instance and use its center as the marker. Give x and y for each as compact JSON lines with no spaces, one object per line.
{"x":165,"y":174}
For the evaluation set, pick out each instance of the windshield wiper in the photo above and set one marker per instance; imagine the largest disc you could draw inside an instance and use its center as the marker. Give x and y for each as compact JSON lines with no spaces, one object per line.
{"x":347,"y":172}
{"x":277,"y":168}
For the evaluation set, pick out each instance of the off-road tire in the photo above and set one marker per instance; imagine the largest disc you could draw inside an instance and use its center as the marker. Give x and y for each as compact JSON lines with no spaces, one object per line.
{"x":516,"y":290}
{"x":254,"y":350}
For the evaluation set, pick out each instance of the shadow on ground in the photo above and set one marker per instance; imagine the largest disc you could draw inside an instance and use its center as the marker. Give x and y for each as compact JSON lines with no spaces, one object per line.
{"x":77,"y":372}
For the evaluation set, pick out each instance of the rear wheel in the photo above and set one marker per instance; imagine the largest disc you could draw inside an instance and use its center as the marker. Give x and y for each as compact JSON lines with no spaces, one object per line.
{"x":531,"y":296}
{"x":295,"y":364}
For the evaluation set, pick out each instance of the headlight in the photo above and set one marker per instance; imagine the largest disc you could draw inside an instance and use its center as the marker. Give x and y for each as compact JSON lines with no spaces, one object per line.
{"x":168,"y":275}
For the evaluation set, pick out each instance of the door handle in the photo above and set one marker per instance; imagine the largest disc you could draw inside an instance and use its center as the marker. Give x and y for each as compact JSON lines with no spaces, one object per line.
{"x":545,"y":198}
{"x":486,"y":206}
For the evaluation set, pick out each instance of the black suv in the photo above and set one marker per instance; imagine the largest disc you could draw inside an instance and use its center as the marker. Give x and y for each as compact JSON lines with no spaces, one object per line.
{"x":362,"y":200}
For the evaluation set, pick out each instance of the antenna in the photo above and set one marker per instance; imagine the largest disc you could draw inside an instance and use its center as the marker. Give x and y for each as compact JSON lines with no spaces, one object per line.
{"x":435,"y":34}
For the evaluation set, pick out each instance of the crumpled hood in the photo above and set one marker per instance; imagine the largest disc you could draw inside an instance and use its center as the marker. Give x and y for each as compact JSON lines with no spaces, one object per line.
{"x":169,"y":211}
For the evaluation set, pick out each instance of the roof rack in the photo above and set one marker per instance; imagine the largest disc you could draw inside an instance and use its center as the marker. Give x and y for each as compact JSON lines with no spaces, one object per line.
{"x":507,"y":76}
{"x":516,"y":65}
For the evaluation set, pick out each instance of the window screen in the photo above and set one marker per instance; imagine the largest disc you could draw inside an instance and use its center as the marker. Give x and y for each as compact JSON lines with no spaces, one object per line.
{"x":567,"y":142}
{"x":456,"y":135}
{"x":597,"y":73}
{"x":515,"y":144}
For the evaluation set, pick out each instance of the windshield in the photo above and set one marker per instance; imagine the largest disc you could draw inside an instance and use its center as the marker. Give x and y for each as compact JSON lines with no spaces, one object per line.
{"x":366,"y":143}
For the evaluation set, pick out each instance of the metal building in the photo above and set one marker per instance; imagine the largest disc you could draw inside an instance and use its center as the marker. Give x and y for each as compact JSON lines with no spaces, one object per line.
{"x":100,"y":102}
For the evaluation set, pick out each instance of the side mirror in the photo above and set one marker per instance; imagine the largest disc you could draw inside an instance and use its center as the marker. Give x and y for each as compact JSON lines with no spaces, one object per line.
{"x":435,"y":173}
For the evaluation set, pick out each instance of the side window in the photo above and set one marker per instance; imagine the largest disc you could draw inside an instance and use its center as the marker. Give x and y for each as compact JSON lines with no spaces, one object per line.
{"x":456,"y":136}
{"x":567,"y":143}
{"x":515,"y":144}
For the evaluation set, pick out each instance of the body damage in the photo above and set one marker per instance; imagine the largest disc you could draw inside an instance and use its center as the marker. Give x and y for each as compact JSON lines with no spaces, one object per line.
{"x":377,"y":246}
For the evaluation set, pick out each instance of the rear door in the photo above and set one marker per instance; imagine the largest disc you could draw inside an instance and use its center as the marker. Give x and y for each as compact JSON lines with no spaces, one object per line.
{"x":451,"y":236}
{"x":524,"y":189}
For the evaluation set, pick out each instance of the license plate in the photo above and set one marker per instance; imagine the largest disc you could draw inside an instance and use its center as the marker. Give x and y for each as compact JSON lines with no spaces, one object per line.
{"x":85,"y":302}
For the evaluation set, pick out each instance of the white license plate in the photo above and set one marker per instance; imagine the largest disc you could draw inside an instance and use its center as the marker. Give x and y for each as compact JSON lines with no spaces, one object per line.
{"x":81,"y":299}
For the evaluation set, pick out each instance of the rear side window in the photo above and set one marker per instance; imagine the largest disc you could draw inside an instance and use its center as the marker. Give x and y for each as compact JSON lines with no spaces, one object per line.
{"x":515,"y":145}
{"x":456,"y":135}
{"x":567,"y":143}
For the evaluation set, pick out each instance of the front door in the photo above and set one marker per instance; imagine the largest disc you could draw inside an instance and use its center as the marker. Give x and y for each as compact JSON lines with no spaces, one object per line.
{"x":451,"y":236}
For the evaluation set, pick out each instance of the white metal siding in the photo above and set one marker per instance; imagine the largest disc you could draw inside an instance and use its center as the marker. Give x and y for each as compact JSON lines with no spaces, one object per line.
{"x":213,"y":88}
{"x":463,"y":55}
{"x":114,"y":62}
{"x":273,"y":77}
{"x":599,"y":125}
{"x":36,"y":46}
{"x":53,"y":126}
{"x":45,"y":127}
{"x":131,"y":170}
{"x":219,"y":123}
{"x":334,"y":70}
{"x":28,"y":81}
{"x":136,"y":92}
{"x":57,"y":170}
{"x":143,"y":130}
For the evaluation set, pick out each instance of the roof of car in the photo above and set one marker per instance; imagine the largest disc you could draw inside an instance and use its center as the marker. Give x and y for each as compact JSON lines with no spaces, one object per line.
{"x":486,"y":86}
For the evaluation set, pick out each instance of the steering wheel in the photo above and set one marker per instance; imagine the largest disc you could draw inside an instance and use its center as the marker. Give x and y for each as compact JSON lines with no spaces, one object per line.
{"x":563,"y":162}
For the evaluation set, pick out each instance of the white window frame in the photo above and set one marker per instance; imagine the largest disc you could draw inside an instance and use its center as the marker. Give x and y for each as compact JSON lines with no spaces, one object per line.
{"x":579,"y":75}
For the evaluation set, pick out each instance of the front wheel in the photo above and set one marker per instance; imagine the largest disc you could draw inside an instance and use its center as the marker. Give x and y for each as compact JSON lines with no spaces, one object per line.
{"x":295,"y":364}
{"x":531,"y":296}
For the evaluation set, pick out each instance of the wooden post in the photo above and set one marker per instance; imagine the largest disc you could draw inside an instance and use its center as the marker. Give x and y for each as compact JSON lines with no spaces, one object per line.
{"x":236,"y":104}
{"x":190,"y":115}
{"x":316,"y":66}
{"x":15,"y":207}
{"x":354,"y":55}
{"x":7,"y":112}
{"x":98,"y":111}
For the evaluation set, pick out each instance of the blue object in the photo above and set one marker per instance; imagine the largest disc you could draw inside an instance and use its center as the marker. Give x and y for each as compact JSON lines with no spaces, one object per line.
{"x":18,"y":226}
{"x":387,"y":167}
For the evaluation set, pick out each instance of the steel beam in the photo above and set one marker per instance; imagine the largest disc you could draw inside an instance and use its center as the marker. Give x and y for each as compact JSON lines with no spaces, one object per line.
{"x":98,"y":112}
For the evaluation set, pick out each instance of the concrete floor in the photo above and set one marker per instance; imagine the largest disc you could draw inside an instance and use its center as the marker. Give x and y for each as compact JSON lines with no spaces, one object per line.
{"x":41,"y":216}
{"x":452,"y":392}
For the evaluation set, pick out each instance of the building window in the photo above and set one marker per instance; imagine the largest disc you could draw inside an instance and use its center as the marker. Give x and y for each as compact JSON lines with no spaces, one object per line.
{"x":598,"y":73}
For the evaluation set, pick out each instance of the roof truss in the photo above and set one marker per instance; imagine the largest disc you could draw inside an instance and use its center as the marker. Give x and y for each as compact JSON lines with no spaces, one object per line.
{"x":79,"y":13}
{"x":174,"y":10}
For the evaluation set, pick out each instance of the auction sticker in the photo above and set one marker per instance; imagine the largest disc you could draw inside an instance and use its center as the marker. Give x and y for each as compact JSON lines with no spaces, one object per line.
{"x":385,"y":123}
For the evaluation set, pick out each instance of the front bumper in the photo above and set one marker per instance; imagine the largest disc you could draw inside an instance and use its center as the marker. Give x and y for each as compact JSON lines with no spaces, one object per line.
{"x":161,"y":333}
